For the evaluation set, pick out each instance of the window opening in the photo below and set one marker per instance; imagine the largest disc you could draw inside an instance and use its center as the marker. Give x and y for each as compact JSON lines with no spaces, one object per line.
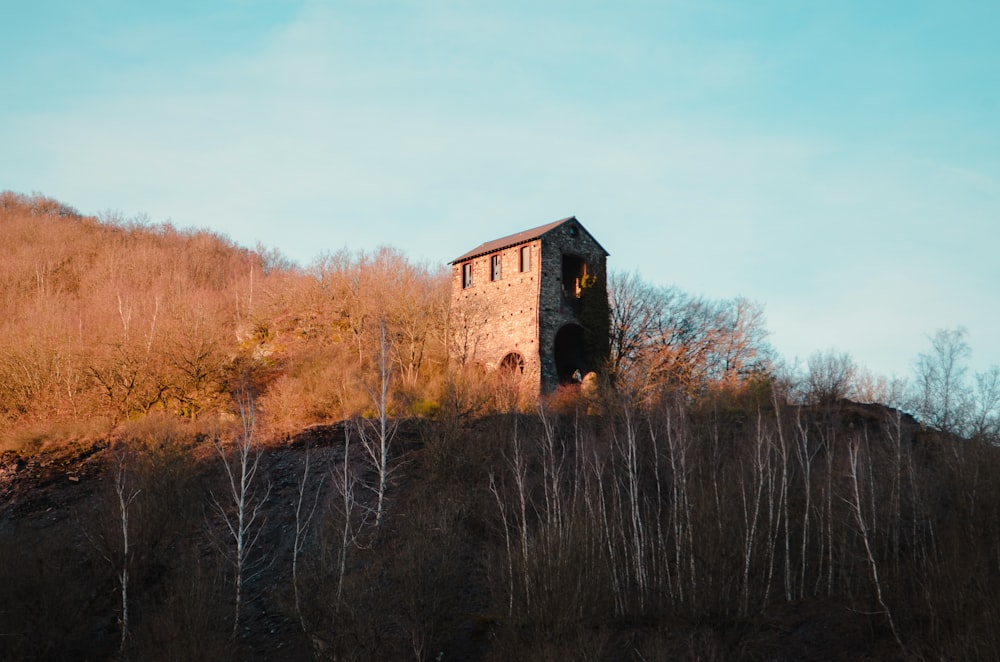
{"x":512,"y":364}
{"x":574,"y":270}
{"x":467,"y":275}
{"x":495,"y":267}
{"x":525,"y":258}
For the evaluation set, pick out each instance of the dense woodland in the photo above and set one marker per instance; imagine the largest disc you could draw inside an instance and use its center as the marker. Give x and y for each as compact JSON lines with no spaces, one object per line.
{"x":212,"y":453}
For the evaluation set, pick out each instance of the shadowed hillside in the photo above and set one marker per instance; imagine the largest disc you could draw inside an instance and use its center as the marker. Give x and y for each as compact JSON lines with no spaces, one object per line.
{"x":713,"y":530}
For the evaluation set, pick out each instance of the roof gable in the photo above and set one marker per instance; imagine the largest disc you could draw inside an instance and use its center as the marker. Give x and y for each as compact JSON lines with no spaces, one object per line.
{"x":521,"y":238}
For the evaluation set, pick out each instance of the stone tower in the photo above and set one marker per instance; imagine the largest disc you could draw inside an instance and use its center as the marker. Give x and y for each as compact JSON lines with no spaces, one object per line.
{"x":534,"y":304}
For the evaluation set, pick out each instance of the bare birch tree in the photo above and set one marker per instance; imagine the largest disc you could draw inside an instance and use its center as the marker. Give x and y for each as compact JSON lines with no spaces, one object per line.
{"x":243,"y":498}
{"x":942,"y":394}
{"x":302,"y":521}
{"x":126,"y":495}
{"x":866,"y":531}
{"x":515,"y":520}
{"x":377,"y":433}
{"x":115,"y":547}
{"x":344,"y":482}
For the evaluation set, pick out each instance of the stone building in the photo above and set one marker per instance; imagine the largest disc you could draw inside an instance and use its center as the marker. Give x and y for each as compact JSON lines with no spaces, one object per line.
{"x":533,"y":305}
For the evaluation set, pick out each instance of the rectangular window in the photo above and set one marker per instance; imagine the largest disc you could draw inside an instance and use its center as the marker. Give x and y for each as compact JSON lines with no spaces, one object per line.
{"x":525,"y":258}
{"x":495,"y":267}
{"x":467,"y":275}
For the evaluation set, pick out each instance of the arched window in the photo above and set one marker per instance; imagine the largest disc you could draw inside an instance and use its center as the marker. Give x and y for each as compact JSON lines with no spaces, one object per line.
{"x":512,"y":364}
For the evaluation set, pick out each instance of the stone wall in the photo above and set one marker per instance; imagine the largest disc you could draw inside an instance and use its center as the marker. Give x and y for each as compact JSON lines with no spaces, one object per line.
{"x":491,"y":318}
{"x":556,"y":308}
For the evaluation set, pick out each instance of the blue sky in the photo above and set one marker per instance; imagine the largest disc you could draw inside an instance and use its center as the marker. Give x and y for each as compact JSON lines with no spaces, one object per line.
{"x":837,"y":162}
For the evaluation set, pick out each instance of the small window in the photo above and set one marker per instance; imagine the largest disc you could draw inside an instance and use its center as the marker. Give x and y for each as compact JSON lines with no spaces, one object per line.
{"x":525,"y":258}
{"x":574,"y":273}
{"x":467,"y":275}
{"x":495,"y":267}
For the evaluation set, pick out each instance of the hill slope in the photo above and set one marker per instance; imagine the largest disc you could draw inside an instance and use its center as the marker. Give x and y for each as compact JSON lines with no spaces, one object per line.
{"x":730,"y":532}
{"x":102,"y":321}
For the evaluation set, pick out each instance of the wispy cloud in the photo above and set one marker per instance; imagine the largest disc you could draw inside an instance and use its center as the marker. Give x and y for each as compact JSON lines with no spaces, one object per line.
{"x":695,"y":157}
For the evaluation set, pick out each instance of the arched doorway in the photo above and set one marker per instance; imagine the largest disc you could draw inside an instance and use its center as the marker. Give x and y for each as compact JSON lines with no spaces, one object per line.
{"x":568,"y":353}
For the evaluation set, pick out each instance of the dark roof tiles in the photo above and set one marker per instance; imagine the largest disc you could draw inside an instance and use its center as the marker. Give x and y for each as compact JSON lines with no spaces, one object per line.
{"x":515,"y":239}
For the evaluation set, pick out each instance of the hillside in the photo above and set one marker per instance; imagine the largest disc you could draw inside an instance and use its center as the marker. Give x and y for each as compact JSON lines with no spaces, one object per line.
{"x":209,"y":453}
{"x":100,"y":321}
{"x":103,"y":321}
{"x":106,"y":320}
{"x":738,"y":531}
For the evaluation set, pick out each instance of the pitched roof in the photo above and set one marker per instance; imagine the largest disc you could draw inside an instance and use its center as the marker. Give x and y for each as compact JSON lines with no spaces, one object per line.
{"x":520,"y":238}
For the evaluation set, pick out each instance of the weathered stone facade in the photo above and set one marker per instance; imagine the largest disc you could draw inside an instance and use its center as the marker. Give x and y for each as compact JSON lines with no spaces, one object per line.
{"x":518,"y":304}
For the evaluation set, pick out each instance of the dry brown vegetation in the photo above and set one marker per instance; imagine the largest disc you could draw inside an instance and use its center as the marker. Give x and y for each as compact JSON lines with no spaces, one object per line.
{"x":210,"y":454}
{"x":102,"y":321}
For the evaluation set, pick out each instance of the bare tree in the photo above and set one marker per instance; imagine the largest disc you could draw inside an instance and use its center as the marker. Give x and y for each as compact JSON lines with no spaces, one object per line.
{"x":739,"y":348}
{"x":664,"y":338}
{"x":515,"y":519}
{"x":758,"y":469}
{"x":126,"y":496}
{"x":244,"y":501}
{"x":985,"y":420}
{"x":678,"y":449}
{"x":942,"y":395}
{"x":344,"y":482}
{"x":831,"y":377}
{"x":302,"y":521}
{"x":873,"y":388}
{"x":806,"y":457}
{"x":115,"y":547}
{"x":377,"y":433}
{"x":633,"y":311}
{"x":855,"y":469}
